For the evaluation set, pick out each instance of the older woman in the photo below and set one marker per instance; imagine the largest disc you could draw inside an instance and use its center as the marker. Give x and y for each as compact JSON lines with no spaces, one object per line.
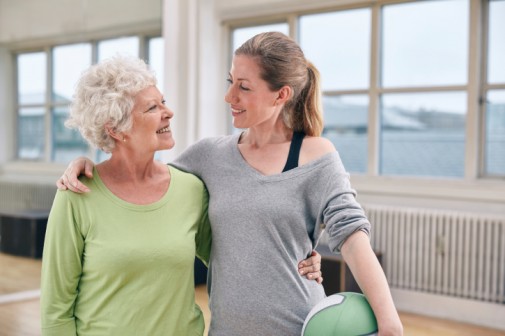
{"x":120,"y":260}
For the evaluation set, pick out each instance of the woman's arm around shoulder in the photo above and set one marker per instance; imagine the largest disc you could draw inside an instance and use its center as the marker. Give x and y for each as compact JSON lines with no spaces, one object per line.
{"x":313,"y":148}
{"x":70,"y":178}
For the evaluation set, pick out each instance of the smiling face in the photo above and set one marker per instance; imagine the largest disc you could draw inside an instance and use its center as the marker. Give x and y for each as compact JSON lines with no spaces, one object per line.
{"x":151,"y":122}
{"x":251,"y":100}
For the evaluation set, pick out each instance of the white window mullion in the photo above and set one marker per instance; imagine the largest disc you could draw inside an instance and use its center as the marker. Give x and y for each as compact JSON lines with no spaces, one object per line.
{"x":474,"y":124}
{"x":47,"y":107}
{"x":373,"y":107}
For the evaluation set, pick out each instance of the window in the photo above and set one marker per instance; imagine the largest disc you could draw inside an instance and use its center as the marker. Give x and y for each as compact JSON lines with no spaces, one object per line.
{"x":425,"y":43}
{"x":396,"y":84}
{"x":68,"y":63}
{"x":423,"y":134}
{"x":123,"y":46}
{"x":32,"y":80}
{"x":42,"y":135}
{"x":494,"y":144}
{"x":495,"y":133}
{"x":338,"y":43}
{"x":242,"y":34}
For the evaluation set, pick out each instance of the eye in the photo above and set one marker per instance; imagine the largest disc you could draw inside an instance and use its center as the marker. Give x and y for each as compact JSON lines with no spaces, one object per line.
{"x":242,"y":87}
{"x":163,"y":101}
{"x":229,"y":81}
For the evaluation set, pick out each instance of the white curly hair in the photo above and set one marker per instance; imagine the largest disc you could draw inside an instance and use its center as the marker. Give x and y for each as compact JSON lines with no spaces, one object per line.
{"x":105,"y":96}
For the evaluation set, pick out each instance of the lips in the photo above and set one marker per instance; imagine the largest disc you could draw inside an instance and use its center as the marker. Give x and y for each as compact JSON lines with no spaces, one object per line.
{"x":163,"y":130}
{"x":236,"y":111}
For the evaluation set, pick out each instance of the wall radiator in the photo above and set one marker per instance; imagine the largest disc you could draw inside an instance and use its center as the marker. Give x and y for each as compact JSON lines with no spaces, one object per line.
{"x":15,"y":196}
{"x":448,"y":253}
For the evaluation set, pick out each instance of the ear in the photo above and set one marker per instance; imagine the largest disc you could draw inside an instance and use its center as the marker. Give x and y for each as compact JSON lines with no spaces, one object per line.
{"x":284,"y":94}
{"x":112,"y":132}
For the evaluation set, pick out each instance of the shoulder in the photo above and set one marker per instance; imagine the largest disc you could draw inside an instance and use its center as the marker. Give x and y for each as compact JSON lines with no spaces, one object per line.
{"x":211,"y":142}
{"x":188,"y":179}
{"x":314,"y":148}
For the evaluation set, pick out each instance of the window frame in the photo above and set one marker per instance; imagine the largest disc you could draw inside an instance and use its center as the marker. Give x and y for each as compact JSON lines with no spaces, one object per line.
{"x":49,"y":103}
{"x":476,"y":86}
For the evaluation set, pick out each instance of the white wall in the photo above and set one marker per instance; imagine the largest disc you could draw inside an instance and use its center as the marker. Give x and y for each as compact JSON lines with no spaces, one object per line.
{"x":6,"y":115}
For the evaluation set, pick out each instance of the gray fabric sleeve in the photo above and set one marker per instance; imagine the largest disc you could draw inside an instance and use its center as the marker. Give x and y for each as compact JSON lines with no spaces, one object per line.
{"x":342,"y":214}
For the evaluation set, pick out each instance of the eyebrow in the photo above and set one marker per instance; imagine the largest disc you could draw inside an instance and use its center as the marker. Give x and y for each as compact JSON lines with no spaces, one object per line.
{"x":242,"y":79}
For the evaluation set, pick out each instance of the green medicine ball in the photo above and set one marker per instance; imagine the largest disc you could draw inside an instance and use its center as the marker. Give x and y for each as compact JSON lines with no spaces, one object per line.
{"x":342,"y":314}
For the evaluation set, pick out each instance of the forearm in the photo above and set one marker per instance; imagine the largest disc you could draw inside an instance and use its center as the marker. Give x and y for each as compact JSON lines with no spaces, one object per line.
{"x":369,"y":275}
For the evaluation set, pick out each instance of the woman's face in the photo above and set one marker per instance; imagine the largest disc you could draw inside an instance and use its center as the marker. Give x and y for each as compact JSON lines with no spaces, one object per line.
{"x":252,"y":102}
{"x":151,"y":122}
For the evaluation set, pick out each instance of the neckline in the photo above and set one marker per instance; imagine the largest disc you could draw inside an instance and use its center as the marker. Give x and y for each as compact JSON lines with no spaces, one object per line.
{"x":132,"y":206}
{"x":254,"y":173}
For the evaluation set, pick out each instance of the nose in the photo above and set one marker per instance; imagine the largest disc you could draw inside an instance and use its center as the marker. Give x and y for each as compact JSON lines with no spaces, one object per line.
{"x":230,"y":97}
{"x":167,"y":112}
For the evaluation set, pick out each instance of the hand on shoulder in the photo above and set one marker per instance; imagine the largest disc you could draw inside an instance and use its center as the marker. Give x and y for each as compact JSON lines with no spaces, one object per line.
{"x":315,"y":147}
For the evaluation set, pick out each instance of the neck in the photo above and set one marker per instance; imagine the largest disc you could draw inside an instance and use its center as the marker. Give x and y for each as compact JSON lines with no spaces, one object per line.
{"x":260,"y":136}
{"x":129,"y":168}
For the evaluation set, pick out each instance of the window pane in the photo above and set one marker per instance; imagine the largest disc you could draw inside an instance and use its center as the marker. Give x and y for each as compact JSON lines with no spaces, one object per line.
{"x":425,"y":43}
{"x":240,"y":35}
{"x":32,"y":78}
{"x":495,"y":133}
{"x":156,"y":60}
{"x":68,"y":63}
{"x":346,"y":125}
{"x":121,"y":46}
{"x":31,"y":134}
{"x":339,"y":46}
{"x":67,"y":143}
{"x":423,"y":134}
{"x":496,"y":68}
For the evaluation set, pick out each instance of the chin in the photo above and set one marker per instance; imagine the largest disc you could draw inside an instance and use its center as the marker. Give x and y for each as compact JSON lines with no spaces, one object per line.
{"x":170,"y":145}
{"x":239,"y":125}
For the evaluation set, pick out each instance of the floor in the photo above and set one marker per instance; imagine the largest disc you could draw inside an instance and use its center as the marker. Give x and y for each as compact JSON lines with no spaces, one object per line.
{"x":20,"y":315}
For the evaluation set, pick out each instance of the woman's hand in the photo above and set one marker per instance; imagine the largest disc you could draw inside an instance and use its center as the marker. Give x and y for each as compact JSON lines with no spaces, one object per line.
{"x":311,"y":267}
{"x":69,"y":179}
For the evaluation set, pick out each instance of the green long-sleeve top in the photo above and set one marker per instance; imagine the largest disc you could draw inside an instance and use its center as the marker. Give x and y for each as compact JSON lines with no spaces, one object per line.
{"x":114,"y":268}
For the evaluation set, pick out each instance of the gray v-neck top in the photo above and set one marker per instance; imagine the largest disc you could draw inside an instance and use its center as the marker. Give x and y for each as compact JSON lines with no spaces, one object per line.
{"x":262,"y":226}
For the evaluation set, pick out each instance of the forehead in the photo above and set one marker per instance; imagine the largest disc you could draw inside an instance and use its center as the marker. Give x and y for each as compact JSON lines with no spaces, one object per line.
{"x":147,"y":94}
{"x":244,"y":66}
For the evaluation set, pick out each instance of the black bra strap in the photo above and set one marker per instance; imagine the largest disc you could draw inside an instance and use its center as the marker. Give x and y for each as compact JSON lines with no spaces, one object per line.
{"x":294,"y":151}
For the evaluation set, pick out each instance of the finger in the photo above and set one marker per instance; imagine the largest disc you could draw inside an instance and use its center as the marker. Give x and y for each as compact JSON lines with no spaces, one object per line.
{"x":73,"y":184}
{"x":312,"y":259}
{"x":310,"y":269}
{"x":88,"y":168}
{"x":313,"y":275}
{"x":309,"y":262}
{"x":78,"y":187}
{"x":60,"y":184}
{"x":319,"y":280}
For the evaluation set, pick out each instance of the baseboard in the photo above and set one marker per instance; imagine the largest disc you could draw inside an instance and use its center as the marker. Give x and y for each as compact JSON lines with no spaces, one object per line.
{"x":490,"y":315}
